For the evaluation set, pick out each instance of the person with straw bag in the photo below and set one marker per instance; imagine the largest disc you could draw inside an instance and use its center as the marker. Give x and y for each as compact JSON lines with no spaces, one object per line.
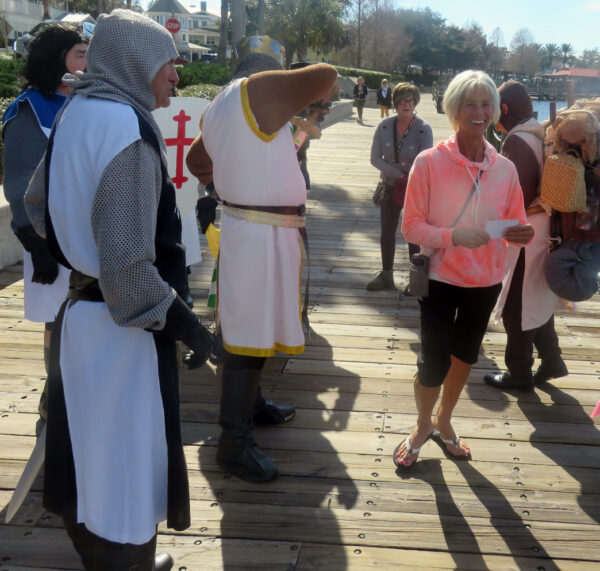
{"x":526,"y":303}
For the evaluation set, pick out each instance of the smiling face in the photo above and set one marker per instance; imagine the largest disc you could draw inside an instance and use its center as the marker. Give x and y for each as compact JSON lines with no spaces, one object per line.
{"x":475,"y":113}
{"x":163,"y":84}
{"x":75,"y":59}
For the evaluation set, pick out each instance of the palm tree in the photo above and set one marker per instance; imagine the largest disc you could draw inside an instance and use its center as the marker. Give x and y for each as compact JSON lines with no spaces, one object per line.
{"x":551,"y":52}
{"x":567,"y":52}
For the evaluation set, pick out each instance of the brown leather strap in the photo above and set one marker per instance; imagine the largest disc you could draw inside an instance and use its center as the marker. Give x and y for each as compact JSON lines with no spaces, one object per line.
{"x":287,"y":210}
{"x":83,"y":288}
{"x":534,"y":210}
{"x":305,"y":321}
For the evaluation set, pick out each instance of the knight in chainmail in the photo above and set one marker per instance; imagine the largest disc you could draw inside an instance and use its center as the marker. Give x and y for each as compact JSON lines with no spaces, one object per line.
{"x":114,"y":458}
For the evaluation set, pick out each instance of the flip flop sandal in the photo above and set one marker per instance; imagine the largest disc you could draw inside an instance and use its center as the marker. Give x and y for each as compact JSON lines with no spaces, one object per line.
{"x":436,"y":435}
{"x":411,"y":451}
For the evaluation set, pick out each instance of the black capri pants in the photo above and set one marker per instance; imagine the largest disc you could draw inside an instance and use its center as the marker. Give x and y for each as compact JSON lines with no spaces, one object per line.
{"x":453,"y":322}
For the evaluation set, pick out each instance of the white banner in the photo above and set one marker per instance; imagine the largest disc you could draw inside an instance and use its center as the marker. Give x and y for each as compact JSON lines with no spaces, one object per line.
{"x":178,"y":124}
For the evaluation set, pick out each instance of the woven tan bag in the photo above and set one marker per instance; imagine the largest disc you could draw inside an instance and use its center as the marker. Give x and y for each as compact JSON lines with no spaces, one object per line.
{"x":563,"y":183}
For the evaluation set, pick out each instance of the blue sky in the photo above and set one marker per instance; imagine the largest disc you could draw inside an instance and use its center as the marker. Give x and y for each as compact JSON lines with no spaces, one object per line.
{"x":558,"y":21}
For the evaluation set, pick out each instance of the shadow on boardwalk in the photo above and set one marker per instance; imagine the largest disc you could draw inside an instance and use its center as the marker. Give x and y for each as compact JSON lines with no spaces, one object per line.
{"x":459,"y":535}
{"x":297,"y":506}
{"x":587,"y":498}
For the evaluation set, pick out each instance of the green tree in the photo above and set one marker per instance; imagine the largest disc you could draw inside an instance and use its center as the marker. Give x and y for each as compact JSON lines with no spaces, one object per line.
{"x":567,"y":53}
{"x":300,"y":24}
{"x":255,"y":17}
{"x":475,"y":45}
{"x":427,"y":29}
{"x":590,"y":59}
{"x":524,"y":57}
{"x":96,"y":7}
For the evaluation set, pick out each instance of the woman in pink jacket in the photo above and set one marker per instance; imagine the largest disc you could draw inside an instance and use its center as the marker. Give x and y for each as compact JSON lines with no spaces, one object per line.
{"x":467,"y":264}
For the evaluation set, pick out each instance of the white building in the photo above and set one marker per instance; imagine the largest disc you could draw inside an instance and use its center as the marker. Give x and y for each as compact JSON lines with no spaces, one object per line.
{"x":192,"y":27}
{"x":205,"y":27}
{"x":17,"y":17}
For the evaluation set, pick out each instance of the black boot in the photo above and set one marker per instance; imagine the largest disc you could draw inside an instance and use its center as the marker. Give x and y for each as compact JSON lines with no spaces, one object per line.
{"x":266,"y":412}
{"x":238,"y":453}
{"x":504,"y":381}
{"x":99,"y":554}
{"x":547,"y":371}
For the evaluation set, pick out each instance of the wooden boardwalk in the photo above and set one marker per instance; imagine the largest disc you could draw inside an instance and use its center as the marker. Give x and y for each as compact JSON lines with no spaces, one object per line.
{"x":529,"y":499}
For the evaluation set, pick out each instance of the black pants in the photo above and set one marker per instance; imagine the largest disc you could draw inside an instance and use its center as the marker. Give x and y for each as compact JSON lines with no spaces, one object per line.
{"x":390,"y":215}
{"x":360,"y":103}
{"x":98,"y":554}
{"x":453,"y":322}
{"x":518,"y":355}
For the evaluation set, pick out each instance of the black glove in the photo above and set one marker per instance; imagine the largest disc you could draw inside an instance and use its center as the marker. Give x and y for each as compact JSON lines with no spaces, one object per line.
{"x":183,"y":324}
{"x":45,"y":267}
{"x":206,"y":211}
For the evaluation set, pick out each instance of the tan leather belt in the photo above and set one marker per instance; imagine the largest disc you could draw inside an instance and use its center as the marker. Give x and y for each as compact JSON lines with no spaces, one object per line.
{"x":287,"y":210}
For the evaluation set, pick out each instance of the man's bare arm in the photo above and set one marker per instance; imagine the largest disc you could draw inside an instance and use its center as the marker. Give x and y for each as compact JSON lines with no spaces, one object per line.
{"x":199,"y":162}
{"x":276,"y":96}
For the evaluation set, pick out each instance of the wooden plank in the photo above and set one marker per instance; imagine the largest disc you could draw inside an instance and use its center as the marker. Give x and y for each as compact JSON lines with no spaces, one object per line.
{"x":360,"y":557}
{"x":529,"y":499}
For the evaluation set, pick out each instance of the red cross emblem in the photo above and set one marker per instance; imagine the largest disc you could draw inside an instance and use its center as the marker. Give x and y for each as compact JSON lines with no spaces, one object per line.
{"x":180,"y":142}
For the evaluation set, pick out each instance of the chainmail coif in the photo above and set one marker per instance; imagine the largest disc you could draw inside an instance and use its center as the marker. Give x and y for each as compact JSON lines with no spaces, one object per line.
{"x":125,"y":54}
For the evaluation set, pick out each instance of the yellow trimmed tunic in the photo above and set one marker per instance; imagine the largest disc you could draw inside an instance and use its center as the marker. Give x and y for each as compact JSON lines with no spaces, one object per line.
{"x":260,"y":259}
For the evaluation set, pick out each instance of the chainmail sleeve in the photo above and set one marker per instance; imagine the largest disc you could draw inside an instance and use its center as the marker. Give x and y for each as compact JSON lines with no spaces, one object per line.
{"x":35,"y":198}
{"x":124,"y":225}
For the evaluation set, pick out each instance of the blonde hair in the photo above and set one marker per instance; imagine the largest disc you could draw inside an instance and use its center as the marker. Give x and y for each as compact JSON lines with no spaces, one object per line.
{"x":462,"y":86}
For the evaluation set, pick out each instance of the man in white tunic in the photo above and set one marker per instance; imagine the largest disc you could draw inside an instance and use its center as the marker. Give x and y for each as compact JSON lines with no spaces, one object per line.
{"x":246,"y":147}
{"x":114,"y":458}
{"x":526,"y":303}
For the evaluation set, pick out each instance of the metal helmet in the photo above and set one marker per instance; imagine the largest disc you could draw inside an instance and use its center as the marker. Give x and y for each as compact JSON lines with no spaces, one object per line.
{"x":260,"y":45}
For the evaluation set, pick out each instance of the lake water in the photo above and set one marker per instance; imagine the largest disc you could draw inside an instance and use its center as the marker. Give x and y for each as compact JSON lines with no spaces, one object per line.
{"x":543,"y":108}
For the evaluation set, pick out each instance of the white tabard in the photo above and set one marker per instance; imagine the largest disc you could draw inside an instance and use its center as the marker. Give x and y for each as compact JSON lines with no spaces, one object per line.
{"x":109,"y":373}
{"x":42,"y":301}
{"x":260,"y":264}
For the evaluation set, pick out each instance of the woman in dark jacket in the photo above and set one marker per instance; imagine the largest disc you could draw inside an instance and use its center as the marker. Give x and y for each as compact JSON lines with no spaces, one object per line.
{"x":360,"y":96}
{"x":384,"y":98}
{"x":412,"y":135}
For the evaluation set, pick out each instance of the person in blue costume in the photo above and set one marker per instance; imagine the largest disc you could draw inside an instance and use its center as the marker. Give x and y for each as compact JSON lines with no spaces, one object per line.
{"x":25,"y":129}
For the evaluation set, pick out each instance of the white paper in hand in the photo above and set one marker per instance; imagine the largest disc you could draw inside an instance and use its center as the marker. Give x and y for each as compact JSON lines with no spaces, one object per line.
{"x":495,"y":227}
